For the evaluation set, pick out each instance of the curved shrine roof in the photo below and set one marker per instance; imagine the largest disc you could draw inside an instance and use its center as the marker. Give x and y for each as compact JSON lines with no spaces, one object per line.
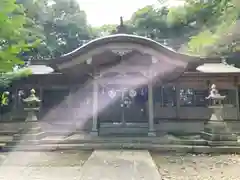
{"x":139,"y":43}
{"x":123,"y":39}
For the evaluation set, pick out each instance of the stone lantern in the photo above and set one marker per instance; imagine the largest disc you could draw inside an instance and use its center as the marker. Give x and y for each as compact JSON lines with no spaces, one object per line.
{"x":216,"y":131}
{"x":32,"y":130}
{"x":32,"y":105}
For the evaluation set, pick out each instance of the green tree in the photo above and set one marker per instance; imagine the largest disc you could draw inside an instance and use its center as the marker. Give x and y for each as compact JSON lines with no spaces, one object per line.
{"x":104,"y":30}
{"x":214,"y":22}
{"x":198,"y":27}
{"x":60,"y":24}
{"x":65,"y":26}
{"x":14,"y":37}
{"x":34,"y":22}
{"x":150,"y":21}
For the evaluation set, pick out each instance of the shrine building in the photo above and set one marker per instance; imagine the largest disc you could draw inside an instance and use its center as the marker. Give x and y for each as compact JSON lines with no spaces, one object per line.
{"x":128,"y":84}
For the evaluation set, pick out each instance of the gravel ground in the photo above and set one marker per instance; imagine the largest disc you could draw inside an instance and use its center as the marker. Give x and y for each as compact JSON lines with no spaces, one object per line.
{"x":198,"y":167}
{"x":67,"y":165}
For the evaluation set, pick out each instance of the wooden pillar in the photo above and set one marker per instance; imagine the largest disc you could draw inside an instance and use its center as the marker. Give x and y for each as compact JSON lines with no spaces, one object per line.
{"x":41,"y":96}
{"x":237,"y":103}
{"x":177,"y":88}
{"x":95,"y":107}
{"x":15,"y":104}
{"x":151,"y":128}
{"x":237,"y":97}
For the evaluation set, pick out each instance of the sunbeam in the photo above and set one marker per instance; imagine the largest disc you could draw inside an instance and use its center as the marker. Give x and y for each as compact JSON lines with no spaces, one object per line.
{"x":79,"y":110}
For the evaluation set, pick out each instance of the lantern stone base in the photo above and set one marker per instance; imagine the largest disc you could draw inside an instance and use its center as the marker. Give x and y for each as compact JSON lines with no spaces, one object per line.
{"x":94,"y":133}
{"x":151,"y":133}
{"x":31,"y":134}
{"x":31,"y":116}
{"x":217,"y":133}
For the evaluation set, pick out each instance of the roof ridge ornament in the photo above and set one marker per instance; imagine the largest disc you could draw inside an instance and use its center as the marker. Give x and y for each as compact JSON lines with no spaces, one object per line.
{"x":121,"y":28}
{"x":121,"y":21}
{"x":223,"y":60}
{"x":121,"y":52}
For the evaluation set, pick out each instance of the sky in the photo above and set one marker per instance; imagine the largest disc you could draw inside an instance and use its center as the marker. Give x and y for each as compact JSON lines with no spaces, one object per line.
{"x":101,"y":12}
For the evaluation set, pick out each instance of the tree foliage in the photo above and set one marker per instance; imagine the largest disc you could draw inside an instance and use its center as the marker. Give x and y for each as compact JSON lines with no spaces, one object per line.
{"x":63,"y":26}
{"x":215,"y":21}
{"x":14,"y":36}
{"x":104,"y":30}
{"x":8,"y":78}
{"x":150,"y":21}
{"x":207,"y":27}
{"x":198,"y":27}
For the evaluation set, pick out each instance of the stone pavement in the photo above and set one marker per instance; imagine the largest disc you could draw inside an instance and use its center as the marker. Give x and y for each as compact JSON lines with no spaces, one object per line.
{"x":41,"y":166}
{"x":101,"y":165}
{"x":120,"y":165}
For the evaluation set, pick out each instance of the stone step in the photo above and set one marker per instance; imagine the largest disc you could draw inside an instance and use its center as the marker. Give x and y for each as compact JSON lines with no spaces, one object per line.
{"x":151,"y":147}
{"x":35,"y":147}
{"x":78,"y":139}
{"x":2,"y":146}
{"x":123,"y":131}
{"x":5,"y":139}
{"x":126,"y":125}
{"x":219,"y":137}
{"x":29,"y":136}
{"x":223,"y":143}
{"x":8,"y":132}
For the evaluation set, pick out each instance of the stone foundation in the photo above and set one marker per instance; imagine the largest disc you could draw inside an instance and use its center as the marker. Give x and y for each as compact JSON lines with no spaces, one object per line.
{"x":217,"y":133}
{"x":32,"y":133}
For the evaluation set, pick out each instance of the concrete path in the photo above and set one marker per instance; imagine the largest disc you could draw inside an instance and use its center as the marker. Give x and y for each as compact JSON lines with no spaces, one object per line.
{"x":120,"y":165}
{"x":41,"y":165}
{"x":99,"y":165}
